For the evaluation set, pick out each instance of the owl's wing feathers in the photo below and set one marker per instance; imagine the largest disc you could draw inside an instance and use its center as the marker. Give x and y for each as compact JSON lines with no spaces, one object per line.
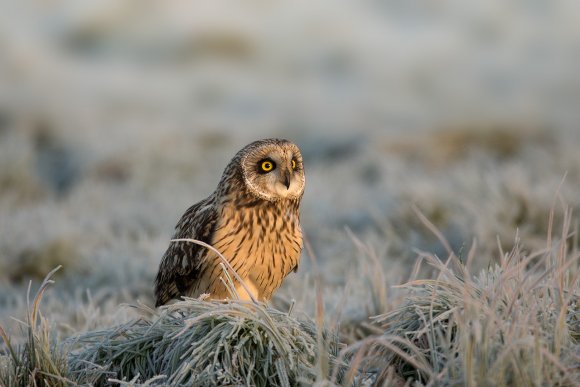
{"x":180,"y":265}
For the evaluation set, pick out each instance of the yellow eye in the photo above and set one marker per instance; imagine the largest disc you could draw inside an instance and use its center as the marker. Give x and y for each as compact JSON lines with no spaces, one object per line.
{"x":293,"y":164}
{"x":267,"y":166}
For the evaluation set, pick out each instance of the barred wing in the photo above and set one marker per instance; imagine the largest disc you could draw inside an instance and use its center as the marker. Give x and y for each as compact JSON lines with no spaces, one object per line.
{"x":180,"y":266}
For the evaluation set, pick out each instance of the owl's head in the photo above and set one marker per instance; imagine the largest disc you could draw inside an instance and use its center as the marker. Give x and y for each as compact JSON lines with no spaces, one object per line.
{"x":272,"y":169}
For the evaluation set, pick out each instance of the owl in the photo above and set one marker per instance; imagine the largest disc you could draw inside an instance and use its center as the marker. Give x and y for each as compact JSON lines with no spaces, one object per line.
{"x":252,"y":219}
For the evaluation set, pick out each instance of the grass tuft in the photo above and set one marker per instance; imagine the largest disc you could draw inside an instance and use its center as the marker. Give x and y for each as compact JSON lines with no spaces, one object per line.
{"x":517,"y":323}
{"x":40,"y":362}
{"x":196,"y":342}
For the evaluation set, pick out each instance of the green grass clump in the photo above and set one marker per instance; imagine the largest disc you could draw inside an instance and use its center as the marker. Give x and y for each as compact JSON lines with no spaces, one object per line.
{"x":201,"y":343}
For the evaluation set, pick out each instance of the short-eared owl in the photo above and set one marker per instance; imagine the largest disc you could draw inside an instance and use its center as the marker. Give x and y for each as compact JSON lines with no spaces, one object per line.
{"x":252,"y":219}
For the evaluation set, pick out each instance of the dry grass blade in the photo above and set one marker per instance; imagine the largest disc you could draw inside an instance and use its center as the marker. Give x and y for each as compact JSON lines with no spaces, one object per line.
{"x":226,"y":263}
{"x":40,"y":361}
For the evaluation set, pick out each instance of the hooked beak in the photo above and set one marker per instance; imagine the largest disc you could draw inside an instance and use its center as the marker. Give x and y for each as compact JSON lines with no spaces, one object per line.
{"x":287,"y":179}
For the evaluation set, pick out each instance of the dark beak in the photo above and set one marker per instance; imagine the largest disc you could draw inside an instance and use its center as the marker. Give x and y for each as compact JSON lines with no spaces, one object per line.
{"x":287,"y":179}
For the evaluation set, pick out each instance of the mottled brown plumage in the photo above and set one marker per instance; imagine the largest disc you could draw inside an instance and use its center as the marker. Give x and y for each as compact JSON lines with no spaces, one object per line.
{"x":252,"y":219}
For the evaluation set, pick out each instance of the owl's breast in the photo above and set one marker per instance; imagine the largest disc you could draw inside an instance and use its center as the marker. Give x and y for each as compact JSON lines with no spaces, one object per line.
{"x":262,"y":244}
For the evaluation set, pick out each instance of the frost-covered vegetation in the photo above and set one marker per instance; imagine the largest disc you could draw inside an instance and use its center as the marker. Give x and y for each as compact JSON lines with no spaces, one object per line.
{"x":440,"y":214}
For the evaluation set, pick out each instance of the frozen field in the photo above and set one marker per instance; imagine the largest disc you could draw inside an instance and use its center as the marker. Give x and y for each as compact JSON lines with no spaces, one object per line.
{"x":117,"y":116}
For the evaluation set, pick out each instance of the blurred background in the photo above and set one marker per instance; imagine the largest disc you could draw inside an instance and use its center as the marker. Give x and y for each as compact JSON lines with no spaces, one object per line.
{"x":115,"y":116}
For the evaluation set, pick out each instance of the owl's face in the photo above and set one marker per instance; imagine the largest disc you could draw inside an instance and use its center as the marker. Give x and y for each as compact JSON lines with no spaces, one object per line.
{"x":273,"y":169}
